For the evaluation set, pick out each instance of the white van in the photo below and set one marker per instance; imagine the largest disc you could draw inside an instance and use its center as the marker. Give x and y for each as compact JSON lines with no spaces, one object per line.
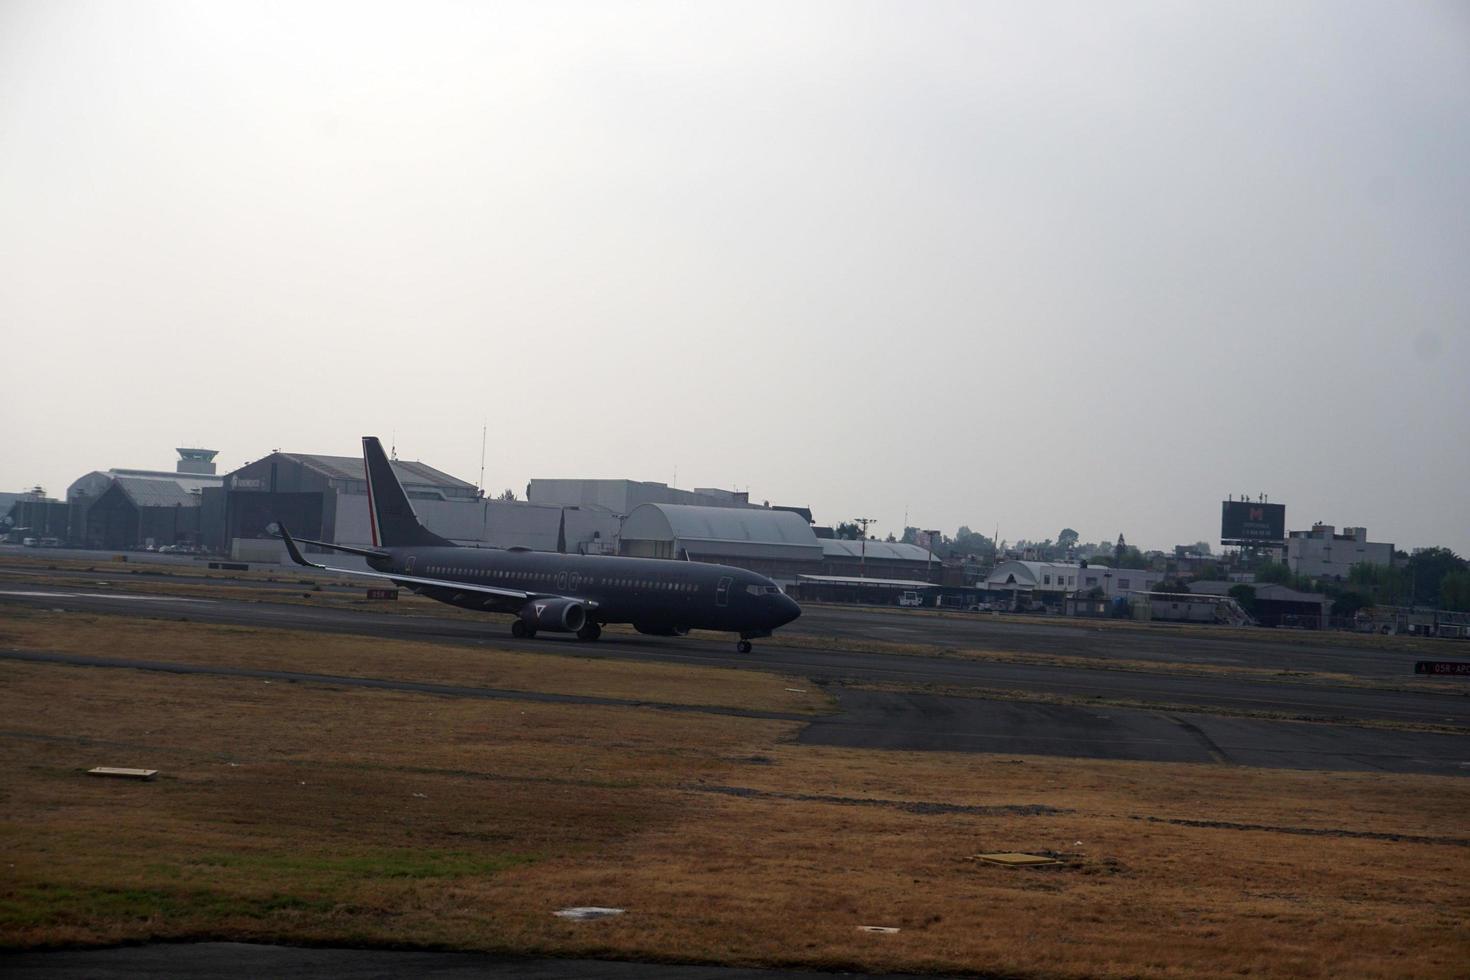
{"x":909,"y":599}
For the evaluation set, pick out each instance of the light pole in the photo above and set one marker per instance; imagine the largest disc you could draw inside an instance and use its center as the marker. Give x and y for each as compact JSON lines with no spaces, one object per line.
{"x":862,"y":523}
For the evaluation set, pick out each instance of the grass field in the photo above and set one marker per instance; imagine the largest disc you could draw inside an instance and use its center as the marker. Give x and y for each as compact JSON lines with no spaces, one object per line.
{"x":315,"y":814}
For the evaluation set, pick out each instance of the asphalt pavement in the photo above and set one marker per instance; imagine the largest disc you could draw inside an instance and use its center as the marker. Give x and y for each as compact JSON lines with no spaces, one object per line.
{"x":248,"y":961}
{"x":1105,"y":706}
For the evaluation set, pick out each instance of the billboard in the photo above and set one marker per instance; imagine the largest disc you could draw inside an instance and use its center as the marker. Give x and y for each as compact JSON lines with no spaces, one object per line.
{"x":1245,"y":521}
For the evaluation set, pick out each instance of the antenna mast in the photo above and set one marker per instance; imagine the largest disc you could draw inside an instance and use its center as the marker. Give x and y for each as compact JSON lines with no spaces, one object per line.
{"x":484,"y":427}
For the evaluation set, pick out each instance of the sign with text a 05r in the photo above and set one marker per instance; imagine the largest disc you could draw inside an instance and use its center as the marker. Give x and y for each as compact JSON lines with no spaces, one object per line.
{"x":1447,"y":668}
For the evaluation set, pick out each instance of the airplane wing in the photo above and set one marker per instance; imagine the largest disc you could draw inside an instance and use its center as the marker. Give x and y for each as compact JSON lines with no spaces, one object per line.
{"x":489,"y":591}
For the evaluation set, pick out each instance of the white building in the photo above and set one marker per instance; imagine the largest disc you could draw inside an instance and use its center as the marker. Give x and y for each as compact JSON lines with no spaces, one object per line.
{"x":1321,"y":552}
{"x":1058,"y":578}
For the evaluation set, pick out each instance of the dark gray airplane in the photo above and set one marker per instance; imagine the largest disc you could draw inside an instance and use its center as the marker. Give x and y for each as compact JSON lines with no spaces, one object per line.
{"x":555,"y":592}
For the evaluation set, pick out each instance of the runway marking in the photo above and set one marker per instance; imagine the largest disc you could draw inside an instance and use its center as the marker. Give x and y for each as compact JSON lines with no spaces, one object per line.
{"x":100,"y":595}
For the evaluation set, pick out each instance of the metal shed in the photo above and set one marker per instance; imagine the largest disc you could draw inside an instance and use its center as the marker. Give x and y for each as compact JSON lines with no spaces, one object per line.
{"x":777,"y":543}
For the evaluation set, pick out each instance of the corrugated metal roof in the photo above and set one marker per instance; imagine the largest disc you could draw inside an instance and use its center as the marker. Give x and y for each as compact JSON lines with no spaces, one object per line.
{"x":887,"y":583}
{"x":145,"y":492}
{"x":351,"y":468}
{"x":189,"y":481}
{"x":756,"y":525}
{"x":1269,"y":591}
{"x":881,"y":550}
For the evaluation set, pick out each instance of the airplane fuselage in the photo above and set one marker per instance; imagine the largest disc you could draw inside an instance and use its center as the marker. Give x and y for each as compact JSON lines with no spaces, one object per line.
{"x":655,"y":595}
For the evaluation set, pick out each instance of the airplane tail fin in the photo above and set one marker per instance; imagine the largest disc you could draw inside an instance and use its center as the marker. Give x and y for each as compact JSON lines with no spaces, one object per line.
{"x":393,"y":521}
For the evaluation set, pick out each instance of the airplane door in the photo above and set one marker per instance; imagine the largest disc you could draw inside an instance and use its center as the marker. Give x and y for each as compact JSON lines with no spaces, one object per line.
{"x":722,"y":592}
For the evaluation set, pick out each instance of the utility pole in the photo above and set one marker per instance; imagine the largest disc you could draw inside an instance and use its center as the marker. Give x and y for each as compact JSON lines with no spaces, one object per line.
{"x":863,"y":523}
{"x":484,"y":429}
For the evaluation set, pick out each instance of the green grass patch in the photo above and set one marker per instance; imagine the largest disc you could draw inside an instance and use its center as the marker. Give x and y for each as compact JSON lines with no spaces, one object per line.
{"x":49,"y":905}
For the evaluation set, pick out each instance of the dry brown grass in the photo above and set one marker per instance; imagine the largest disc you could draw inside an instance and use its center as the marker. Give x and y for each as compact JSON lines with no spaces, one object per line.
{"x":121,"y":638}
{"x":309,"y":814}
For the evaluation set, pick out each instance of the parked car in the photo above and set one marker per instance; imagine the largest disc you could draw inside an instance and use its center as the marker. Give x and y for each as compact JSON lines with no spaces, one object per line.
{"x":909,"y":599}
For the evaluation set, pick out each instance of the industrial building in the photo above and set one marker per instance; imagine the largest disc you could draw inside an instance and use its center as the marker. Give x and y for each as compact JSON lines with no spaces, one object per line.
{"x":324,"y":497}
{"x":1323,"y":553}
{"x":776,"y":543}
{"x":622,"y":497}
{"x":32,"y":515}
{"x":1277,"y":605}
{"x":889,"y":559}
{"x":131,"y":508}
{"x":1051,"y":581}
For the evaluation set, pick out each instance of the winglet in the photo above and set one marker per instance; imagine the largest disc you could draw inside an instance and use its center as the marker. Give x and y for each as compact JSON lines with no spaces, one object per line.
{"x":294,"y":551}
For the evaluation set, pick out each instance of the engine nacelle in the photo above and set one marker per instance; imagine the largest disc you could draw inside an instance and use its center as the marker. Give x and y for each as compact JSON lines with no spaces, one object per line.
{"x":648,"y":630}
{"x":556,"y":615}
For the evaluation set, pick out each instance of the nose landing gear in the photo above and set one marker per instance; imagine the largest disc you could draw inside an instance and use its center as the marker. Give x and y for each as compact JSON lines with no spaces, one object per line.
{"x":743,"y":646}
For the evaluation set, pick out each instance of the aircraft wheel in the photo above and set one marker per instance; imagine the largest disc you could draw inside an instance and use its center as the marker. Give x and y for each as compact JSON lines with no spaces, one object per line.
{"x":743,"y":646}
{"x":589,"y":631}
{"x":519,"y":630}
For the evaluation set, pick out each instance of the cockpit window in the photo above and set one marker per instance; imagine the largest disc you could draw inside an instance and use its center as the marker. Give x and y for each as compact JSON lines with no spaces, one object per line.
{"x":762,"y":589}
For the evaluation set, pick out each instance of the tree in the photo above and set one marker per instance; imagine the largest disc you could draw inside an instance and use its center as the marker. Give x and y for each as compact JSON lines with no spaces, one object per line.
{"x":968,"y":542}
{"x":1426,"y":570}
{"x":1454,"y":591}
{"x":1067,"y":538}
{"x":1173,"y":586}
{"x":1348,"y":603}
{"x":1202,"y":548}
{"x":1274,"y":572}
{"x":1385,"y":585}
{"x":848,"y":531}
{"x":1128,"y":556}
{"x":910,"y":535}
{"x":507,"y":494}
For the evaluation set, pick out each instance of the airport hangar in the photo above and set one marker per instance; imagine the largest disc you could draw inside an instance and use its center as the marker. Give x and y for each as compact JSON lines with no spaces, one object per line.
{"x":325,"y":497}
{"x":130,"y":508}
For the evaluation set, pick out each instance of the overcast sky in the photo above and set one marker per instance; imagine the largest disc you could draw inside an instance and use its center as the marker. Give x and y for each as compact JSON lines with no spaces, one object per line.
{"x":1031,"y":265}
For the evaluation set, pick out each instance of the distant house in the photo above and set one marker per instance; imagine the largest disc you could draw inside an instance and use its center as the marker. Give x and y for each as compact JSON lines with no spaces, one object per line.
{"x":1054,"y":579}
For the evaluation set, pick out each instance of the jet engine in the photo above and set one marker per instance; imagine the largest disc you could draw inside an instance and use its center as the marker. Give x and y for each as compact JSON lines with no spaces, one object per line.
{"x":556,"y":615}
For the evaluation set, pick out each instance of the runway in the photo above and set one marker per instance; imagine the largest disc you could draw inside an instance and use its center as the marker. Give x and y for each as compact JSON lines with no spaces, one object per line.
{"x":943,"y":701}
{"x":247,"y":961}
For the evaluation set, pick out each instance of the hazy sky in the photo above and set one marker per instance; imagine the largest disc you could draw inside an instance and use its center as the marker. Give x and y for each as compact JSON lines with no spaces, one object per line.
{"x":1025,"y":264}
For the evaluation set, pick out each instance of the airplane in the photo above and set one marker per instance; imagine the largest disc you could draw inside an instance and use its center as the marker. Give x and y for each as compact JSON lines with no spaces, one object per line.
{"x":558,"y":593}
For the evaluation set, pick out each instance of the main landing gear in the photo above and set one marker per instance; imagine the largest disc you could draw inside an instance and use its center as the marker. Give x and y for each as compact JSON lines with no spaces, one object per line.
{"x":521,"y":631}
{"x":589,"y":631}
{"x":743,"y":646}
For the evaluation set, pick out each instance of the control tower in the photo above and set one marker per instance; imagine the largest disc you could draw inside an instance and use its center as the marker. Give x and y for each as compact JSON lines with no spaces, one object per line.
{"x":196,"y":461}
